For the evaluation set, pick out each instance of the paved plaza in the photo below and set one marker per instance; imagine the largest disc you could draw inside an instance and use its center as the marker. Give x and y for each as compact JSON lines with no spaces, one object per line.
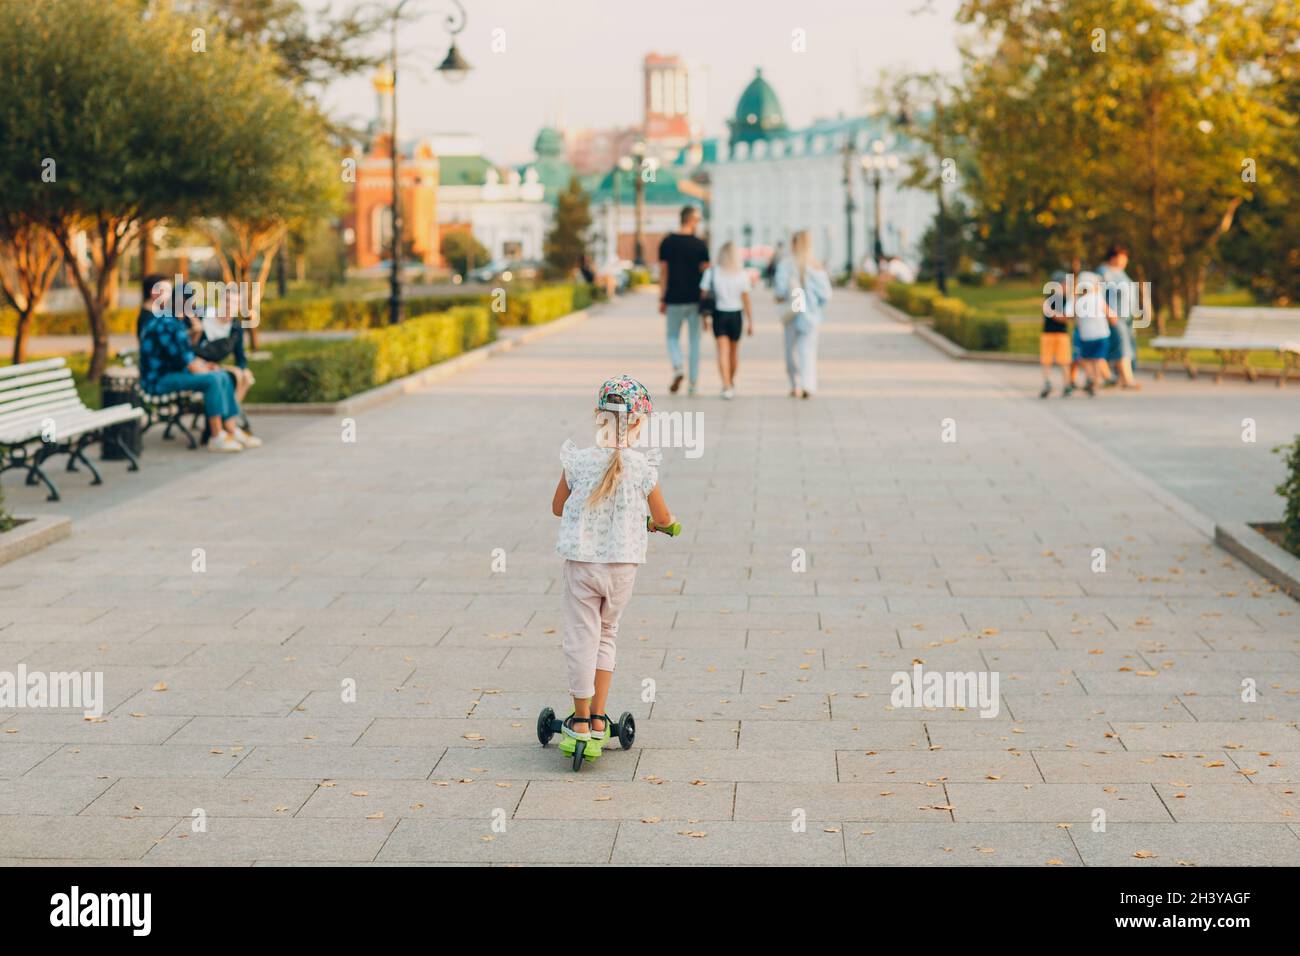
{"x":335,"y":652}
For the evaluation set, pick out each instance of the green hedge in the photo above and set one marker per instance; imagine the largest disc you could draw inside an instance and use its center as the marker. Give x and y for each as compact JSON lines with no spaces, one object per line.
{"x":954,"y":319}
{"x":74,"y":322}
{"x":340,"y":369}
{"x":545,"y":304}
{"x":6,"y":522}
{"x":1290,"y":492}
{"x":315,"y":315}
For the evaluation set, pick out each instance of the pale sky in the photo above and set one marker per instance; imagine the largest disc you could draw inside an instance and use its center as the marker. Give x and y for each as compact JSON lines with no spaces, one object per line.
{"x":579,"y":61}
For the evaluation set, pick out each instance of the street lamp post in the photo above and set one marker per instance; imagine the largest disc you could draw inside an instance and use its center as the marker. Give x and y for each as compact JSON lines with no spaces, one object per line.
{"x":452,"y":67}
{"x":624,"y":165}
{"x":874,"y":166}
{"x":849,"y":205}
{"x":638,"y":152}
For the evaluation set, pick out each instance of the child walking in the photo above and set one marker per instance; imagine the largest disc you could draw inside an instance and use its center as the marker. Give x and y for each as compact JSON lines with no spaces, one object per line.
{"x":604,"y":496}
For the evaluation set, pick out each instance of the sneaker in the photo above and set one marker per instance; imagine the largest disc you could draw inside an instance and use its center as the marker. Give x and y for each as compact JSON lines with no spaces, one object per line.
{"x":1068,"y":390}
{"x":1090,"y":388}
{"x":690,"y":390}
{"x":1047,"y":390}
{"x":223,"y":443}
{"x":677,"y":382}
{"x":247,"y":440}
{"x":728,"y":393}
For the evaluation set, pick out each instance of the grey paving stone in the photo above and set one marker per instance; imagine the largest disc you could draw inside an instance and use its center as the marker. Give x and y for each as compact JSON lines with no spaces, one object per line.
{"x":62,"y":797}
{"x":1184,"y":844}
{"x":1268,"y":767}
{"x":842,"y":801}
{"x":523,"y":841}
{"x":710,"y":765}
{"x":246,"y":838}
{"x":588,"y":799}
{"x":113,"y":728}
{"x":180,"y":797}
{"x":717,"y":843}
{"x":1054,"y":802}
{"x":1204,"y":735}
{"x":255,"y":731}
{"x":329,"y":761}
{"x":930,"y":766}
{"x":1240,"y":802}
{"x":69,"y":837}
{"x":17,"y":758}
{"x":744,"y":706}
{"x":1119,"y":766}
{"x":531,"y":763}
{"x":1022,"y":735}
{"x":959,"y":844}
{"x":137,"y":760}
{"x":760,"y":735}
{"x":414,"y":799}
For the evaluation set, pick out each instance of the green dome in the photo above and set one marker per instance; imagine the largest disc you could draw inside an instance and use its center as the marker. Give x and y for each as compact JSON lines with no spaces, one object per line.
{"x":549,"y":143}
{"x":758,"y":112}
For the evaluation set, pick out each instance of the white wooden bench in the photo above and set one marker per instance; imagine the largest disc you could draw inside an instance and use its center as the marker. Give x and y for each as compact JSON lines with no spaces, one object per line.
{"x":41,"y":415}
{"x":1232,"y":334}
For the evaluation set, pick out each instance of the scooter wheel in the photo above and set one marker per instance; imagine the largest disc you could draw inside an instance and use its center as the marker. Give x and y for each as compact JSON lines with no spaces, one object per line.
{"x":626,"y":730}
{"x":544,"y":721}
{"x":577,"y":755}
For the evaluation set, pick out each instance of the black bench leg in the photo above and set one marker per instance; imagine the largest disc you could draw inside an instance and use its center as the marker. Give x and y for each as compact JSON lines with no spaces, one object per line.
{"x":79,"y":454}
{"x":116,"y":439}
{"x":34,"y":473}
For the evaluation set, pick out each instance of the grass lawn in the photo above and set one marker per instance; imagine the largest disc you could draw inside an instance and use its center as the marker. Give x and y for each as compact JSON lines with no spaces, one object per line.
{"x":1020,"y":302}
{"x":266,"y":371}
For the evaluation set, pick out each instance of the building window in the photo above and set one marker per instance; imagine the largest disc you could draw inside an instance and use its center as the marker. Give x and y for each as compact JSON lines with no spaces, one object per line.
{"x":682,"y":102}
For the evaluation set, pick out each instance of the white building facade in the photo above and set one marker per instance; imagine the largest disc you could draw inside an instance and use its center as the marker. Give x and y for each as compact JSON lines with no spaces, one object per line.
{"x":768,"y":182}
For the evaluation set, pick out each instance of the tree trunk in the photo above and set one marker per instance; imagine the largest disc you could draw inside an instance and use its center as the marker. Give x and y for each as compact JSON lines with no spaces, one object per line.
{"x":148,"y":254}
{"x":20,"y":337}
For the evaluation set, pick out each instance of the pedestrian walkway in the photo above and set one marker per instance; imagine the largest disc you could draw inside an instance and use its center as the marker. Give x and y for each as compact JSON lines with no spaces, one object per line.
{"x":355,"y":672}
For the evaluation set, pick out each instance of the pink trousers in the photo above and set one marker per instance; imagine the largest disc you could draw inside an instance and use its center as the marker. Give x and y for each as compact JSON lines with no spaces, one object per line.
{"x":594,"y":598}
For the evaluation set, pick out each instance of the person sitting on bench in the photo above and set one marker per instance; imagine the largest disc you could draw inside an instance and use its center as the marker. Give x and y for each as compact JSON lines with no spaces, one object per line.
{"x":168,"y":364}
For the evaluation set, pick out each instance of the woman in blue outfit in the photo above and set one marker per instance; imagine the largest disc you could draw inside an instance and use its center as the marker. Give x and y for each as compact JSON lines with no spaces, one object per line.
{"x":803,"y":284}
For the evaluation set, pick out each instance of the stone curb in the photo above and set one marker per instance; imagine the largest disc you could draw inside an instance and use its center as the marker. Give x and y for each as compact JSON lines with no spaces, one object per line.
{"x":1262,"y":555}
{"x":417,"y":380}
{"x":33,"y":534}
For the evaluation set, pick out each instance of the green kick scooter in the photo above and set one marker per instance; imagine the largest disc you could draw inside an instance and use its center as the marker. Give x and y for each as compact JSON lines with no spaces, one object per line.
{"x":580,"y":751}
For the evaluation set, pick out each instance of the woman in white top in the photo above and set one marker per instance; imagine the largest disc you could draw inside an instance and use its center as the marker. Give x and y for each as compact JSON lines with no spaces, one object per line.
{"x":802,"y":282}
{"x":728,"y":283}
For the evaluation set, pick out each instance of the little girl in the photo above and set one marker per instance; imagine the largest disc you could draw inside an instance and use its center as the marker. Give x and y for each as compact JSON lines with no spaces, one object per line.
{"x":602,"y":501}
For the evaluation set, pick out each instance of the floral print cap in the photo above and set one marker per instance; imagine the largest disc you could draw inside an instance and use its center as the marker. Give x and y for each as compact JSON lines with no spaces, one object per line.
{"x":634,"y":396}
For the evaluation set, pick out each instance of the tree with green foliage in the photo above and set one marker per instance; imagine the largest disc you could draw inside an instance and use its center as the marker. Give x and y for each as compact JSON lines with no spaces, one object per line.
{"x":113,"y":118}
{"x":566,"y":243}
{"x":311,"y":47}
{"x":1093,"y":121}
{"x":462,"y":251}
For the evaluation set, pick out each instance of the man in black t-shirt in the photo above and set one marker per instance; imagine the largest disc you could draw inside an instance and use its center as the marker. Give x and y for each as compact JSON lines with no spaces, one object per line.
{"x":683,"y":257}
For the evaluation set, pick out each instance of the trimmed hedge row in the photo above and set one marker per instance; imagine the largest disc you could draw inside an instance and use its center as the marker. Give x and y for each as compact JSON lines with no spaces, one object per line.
{"x":73,"y":322}
{"x":953,"y":319}
{"x":317,"y":315}
{"x":340,"y":369}
{"x":1290,"y":492}
{"x":531,"y":307}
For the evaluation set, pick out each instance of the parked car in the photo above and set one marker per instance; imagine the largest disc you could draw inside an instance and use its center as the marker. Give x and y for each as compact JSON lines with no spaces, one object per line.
{"x":508,"y":270}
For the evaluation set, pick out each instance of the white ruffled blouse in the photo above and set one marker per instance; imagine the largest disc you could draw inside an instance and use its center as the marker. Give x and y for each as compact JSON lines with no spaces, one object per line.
{"x":613,"y":531}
